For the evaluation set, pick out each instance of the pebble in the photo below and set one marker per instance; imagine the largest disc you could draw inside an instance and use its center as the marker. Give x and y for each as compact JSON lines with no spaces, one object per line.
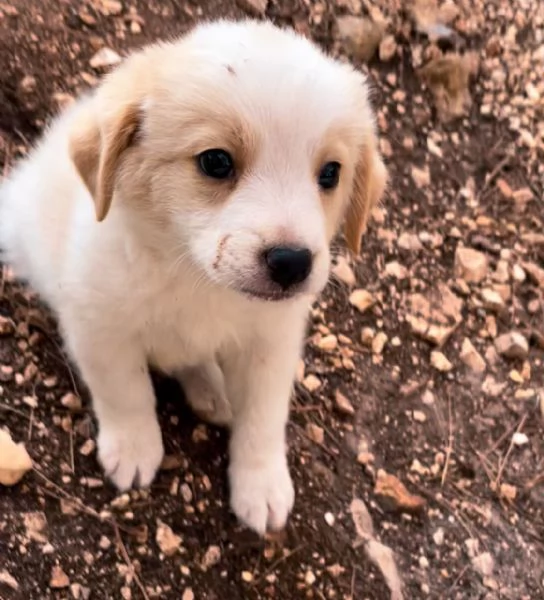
{"x":105,"y":57}
{"x":311,"y":382}
{"x":59,"y":579}
{"x":440,"y":362}
{"x":471,"y":357}
{"x":362,"y":300}
{"x":342,"y":404}
{"x":471,"y":265}
{"x":512,"y":345}
{"x":343,"y":271}
{"x":168,"y":542}
{"x":520,"y":439}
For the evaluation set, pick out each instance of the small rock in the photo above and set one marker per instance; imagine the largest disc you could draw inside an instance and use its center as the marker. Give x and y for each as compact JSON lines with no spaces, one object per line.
{"x":311,"y":382}
{"x":440,"y":362}
{"x":14,"y":460}
{"x":470,"y":265}
{"x":388,"y":48}
{"x":105,"y":57}
{"x":419,"y":416}
{"x":362,"y":300}
{"x":336,"y":570}
{"x":421,"y":177}
{"x":110,"y":7}
{"x":87,"y":448}
{"x":359,"y":36}
{"x":435,"y":317}
{"x":27,"y":84}
{"x":361,"y":519}
{"x":35,"y":524}
{"x":471,"y":357}
{"x":534,"y":272}
{"x":396,"y":270}
{"x":168,"y":542}
{"x":7,"y":578}
{"x":394,"y":491}
{"x":71,"y":402}
{"x":409,"y":241}
{"x":508,"y":492}
{"x":520,"y":439}
{"x":438,"y":536}
{"x":59,"y":580}
{"x":378,"y":343}
{"x":188,"y":594}
{"x":472,"y":545}
{"x":301,"y":367}
{"x":484,"y":564}
{"x":329,"y":519}
{"x":247,"y":576}
{"x":367,"y":335}
{"x":104,"y":543}
{"x":309,"y":578}
{"x":343,"y":271}
{"x":211,"y":557}
{"x":492,"y":300}
{"x":256,"y":8}
{"x":512,"y":345}
{"x":343,"y":405}
{"x":328,"y":343}
{"x":315,"y":433}
{"x":365,"y":458}
{"x":7,"y":326}
{"x":518,"y":274}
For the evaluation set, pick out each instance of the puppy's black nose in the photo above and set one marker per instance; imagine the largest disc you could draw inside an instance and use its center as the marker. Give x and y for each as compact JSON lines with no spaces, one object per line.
{"x":288,"y":266}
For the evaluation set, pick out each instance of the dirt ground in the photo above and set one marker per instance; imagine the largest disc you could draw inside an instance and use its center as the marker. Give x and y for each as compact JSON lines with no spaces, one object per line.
{"x":430,"y":374}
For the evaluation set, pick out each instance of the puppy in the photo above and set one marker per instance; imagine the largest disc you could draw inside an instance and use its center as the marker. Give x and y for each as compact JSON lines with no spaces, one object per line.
{"x":180,"y":216}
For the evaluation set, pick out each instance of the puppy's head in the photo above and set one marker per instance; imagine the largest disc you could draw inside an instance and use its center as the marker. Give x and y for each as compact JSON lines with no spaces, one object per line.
{"x":240,"y":148}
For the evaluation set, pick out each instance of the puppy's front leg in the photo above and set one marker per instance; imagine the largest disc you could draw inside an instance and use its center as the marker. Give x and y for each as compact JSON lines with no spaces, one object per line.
{"x":130,"y":444}
{"x":259,"y":383}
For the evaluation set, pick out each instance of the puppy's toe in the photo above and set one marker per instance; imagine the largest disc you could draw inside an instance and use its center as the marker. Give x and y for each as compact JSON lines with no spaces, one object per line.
{"x":130,"y":455}
{"x":262,"y":497}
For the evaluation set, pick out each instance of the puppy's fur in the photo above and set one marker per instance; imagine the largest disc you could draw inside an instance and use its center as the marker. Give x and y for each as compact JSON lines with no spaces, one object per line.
{"x":145,"y":260}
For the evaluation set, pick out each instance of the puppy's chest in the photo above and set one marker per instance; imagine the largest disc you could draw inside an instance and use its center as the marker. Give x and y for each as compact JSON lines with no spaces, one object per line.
{"x":188,"y":332}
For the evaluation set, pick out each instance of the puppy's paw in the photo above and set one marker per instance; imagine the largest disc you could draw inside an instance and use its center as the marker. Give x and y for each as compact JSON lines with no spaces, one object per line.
{"x":131,"y":452}
{"x":261,"y":496}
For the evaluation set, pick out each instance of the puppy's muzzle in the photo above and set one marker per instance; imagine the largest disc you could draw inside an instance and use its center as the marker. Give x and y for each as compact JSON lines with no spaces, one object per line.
{"x":288,"y":266}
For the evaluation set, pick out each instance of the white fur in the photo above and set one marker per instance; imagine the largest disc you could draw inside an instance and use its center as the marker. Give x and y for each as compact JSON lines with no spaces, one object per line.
{"x":141,"y":286}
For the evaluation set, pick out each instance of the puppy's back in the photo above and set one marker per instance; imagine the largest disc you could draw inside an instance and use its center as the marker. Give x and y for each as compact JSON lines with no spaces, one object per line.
{"x":38,"y":204}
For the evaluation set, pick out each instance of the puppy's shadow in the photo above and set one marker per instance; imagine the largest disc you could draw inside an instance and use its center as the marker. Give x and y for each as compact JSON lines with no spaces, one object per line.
{"x":184,"y":434}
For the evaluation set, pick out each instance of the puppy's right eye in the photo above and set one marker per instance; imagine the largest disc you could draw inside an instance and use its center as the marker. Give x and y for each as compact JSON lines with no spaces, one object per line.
{"x":216,"y":163}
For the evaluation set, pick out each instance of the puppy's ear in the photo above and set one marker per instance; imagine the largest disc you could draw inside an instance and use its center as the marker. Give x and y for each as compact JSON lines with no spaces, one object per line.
{"x":369,"y":186}
{"x":96,"y":148}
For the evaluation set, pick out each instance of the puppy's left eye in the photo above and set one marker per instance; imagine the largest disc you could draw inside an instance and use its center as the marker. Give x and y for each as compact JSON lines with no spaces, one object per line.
{"x":329,"y":175}
{"x":216,"y":163}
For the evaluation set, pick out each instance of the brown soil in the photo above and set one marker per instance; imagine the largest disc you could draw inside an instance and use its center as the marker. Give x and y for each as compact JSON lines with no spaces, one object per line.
{"x":459,"y":424}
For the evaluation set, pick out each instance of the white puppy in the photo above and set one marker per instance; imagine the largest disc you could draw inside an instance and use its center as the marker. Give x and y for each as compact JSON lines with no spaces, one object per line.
{"x":180,"y":216}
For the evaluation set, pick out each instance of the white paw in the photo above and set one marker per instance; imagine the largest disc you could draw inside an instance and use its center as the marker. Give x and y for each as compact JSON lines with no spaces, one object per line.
{"x":261,"y":496}
{"x":130,"y":453}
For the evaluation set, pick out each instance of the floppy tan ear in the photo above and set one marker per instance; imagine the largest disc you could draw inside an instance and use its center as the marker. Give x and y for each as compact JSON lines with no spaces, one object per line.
{"x":369,"y":186}
{"x":95,"y":150}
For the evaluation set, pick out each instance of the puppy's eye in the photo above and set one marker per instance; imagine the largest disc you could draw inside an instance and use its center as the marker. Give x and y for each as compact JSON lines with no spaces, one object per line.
{"x":216,"y":163}
{"x":329,"y":175}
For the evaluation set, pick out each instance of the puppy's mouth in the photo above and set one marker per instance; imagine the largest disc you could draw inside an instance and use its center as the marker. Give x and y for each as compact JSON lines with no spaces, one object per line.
{"x":269,"y":295}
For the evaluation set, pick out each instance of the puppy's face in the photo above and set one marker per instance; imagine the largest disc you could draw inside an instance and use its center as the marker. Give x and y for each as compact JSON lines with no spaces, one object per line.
{"x":243,"y":147}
